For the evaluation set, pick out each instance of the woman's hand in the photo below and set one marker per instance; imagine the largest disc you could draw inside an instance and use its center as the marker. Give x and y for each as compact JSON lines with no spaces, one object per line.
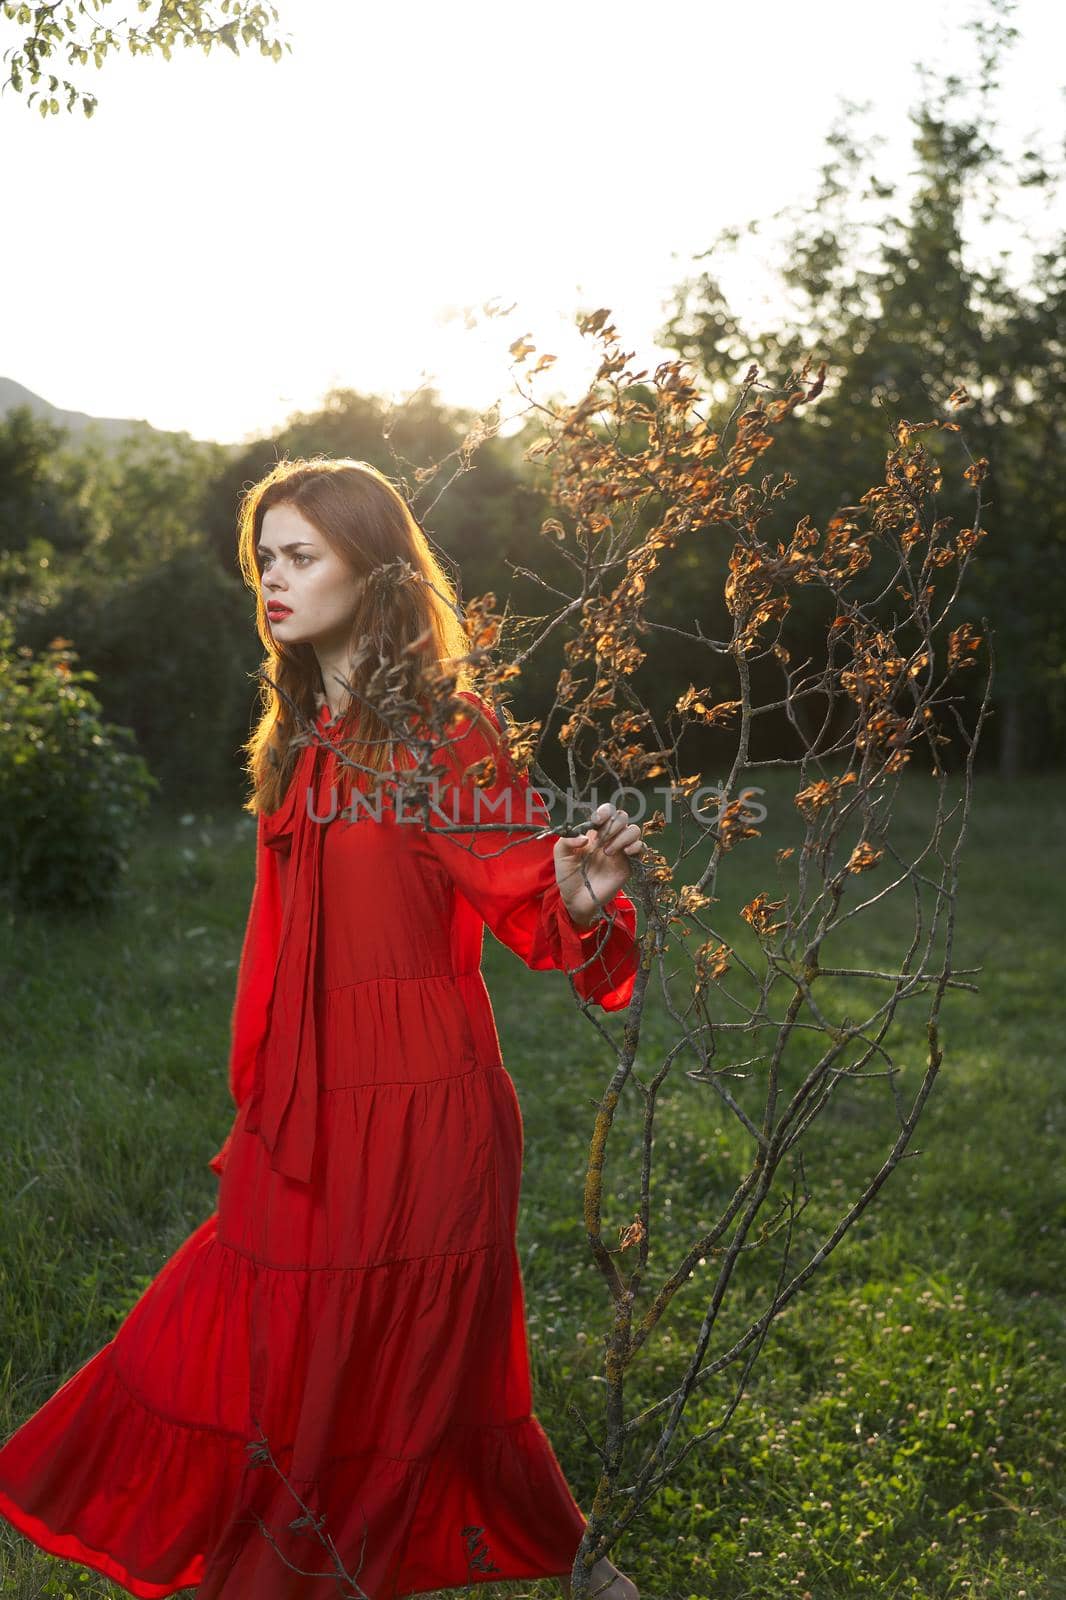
{"x":604,"y":854}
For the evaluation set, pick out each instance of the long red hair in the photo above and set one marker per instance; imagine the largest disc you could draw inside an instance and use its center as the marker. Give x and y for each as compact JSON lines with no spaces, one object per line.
{"x":411,"y":622}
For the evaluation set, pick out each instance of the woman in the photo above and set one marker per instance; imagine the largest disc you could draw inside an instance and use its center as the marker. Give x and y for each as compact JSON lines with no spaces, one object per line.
{"x":331,"y":1373}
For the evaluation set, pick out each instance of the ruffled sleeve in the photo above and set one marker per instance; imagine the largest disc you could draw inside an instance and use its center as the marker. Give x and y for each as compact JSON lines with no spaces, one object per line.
{"x":255,"y":978}
{"x":508,"y":875}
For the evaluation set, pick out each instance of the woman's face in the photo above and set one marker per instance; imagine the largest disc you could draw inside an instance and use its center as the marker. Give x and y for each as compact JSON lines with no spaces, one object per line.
{"x":310,"y":593}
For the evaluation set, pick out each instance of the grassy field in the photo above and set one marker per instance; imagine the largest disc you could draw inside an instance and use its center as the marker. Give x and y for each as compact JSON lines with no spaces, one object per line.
{"x":901,"y":1434}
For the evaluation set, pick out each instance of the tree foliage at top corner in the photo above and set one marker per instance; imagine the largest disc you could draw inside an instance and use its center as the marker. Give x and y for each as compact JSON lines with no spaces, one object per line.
{"x":55,"y":38}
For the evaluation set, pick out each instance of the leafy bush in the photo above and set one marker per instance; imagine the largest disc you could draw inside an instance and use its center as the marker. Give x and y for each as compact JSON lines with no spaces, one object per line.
{"x":174,"y":649}
{"x":70,"y":793}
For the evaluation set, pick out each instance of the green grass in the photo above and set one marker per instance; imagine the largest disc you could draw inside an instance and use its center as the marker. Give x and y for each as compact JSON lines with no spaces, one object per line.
{"x":900,"y":1433}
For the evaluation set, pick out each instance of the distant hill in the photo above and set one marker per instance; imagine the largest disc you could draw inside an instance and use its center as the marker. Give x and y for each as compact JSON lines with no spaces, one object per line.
{"x":14,"y":394}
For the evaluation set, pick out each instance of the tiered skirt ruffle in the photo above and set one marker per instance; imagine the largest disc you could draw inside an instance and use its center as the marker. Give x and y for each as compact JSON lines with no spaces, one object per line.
{"x":368,"y":1329}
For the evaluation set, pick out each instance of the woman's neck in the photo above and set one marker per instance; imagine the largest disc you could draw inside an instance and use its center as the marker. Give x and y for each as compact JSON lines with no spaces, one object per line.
{"x":333,"y":707}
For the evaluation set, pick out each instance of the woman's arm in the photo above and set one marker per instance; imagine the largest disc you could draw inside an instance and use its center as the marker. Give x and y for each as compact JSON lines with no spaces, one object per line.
{"x":509,"y":876}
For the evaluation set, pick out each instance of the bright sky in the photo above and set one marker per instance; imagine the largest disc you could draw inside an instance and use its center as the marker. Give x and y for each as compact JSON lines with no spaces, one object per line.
{"x":228,"y":238}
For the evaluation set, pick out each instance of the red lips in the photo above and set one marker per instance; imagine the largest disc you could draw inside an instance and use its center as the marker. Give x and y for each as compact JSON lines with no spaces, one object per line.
{"x":276,"y":609}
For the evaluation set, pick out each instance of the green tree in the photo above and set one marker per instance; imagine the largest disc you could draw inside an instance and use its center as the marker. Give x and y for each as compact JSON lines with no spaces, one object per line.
{"x":93,"y":511}
{"x":148,"y":492}
{"x":38,"y":501}
{"x":44,"y":521}
{"x":63,"y":34}
{"x":102,"y":544}
{"x":888,"y":290}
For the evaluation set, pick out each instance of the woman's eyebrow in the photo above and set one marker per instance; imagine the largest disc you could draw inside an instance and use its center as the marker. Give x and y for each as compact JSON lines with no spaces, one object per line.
{"x":265,"y":550}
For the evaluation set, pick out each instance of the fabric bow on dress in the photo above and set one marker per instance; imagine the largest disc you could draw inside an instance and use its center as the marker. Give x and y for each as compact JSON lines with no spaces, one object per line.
{"x":283,"y":1106}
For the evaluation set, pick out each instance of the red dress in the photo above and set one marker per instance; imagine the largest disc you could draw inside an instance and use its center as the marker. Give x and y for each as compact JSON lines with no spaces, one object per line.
{"x":356,"y":1299}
